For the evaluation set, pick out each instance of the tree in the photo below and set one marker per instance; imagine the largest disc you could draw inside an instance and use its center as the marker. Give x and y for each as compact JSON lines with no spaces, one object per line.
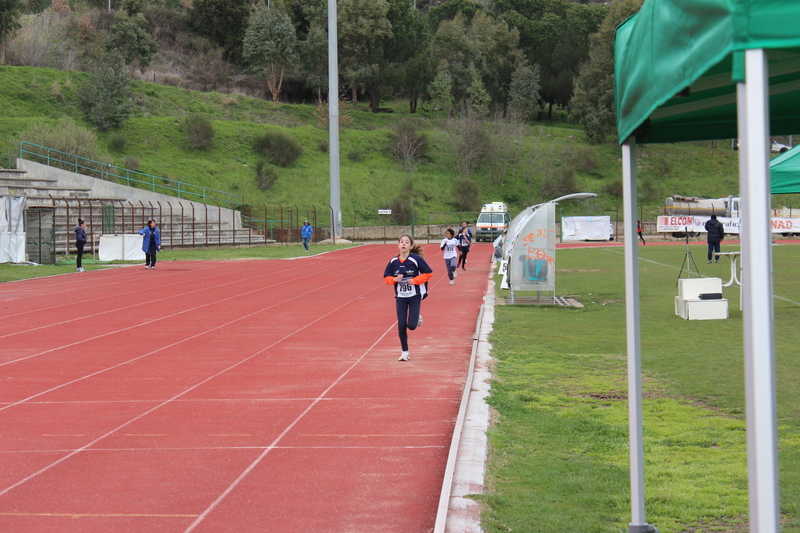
{"x":593,"y":103}
{"x":10,"y":11}
{"x":555,"y":35}
{"x":478,"y":99}
{"x":523,"y":94}
{"x":270,"y":43}
{"x":440,"y":91}
{"x":484,"y":45}
{"x":105,"y":97}
{"x":222,"y":21}
{"x":407,"y":51}
{"x":128,"y":36}
{"x":363,"y":32}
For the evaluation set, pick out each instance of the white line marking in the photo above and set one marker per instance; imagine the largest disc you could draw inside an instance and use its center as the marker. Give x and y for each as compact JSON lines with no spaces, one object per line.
{"x":142,"y":415}
{"x":272,"y":446}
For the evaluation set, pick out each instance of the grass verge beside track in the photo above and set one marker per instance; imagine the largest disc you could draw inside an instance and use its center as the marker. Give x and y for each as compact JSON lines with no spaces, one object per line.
{"x":559,"y":445}
{"x":66,"y":265}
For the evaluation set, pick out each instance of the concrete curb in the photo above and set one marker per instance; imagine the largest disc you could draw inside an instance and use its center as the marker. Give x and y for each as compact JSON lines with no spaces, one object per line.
{"x":464,"y":514}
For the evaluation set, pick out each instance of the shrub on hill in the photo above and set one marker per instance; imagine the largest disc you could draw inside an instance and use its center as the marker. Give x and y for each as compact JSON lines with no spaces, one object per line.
{"x":266,"y":176}
{"x":282,"y":149}
{"x":65,"y":136}
{"x":199,"y":132}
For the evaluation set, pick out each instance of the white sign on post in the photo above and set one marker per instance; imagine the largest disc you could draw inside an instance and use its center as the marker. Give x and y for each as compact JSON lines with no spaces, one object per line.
{"x":384,"y":211}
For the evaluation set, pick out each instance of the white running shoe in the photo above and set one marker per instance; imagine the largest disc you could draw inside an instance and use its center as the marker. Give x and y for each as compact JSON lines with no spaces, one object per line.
{"x":403,"y":356}
{"x":419,"y":321}
{"x":452,"y":281}
{"x":146,"y":267}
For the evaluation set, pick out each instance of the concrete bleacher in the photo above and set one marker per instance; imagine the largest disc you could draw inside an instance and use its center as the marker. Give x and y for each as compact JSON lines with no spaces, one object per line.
{"x":71,"y":195}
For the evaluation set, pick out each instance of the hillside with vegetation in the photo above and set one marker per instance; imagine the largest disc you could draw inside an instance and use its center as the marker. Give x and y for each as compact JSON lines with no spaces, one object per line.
{"x":470,"y":102}
{"x":520,"y":163}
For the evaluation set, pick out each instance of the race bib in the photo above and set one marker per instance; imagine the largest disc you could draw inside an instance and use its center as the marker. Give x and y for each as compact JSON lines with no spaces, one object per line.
{"x":405,"y":289}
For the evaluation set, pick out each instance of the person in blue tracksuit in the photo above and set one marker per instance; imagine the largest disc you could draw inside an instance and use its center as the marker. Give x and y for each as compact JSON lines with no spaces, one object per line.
{"x":80,"y":242}
{"x":409,"y":274}
{"x":306,"y":233}
{"x":150,"y":244}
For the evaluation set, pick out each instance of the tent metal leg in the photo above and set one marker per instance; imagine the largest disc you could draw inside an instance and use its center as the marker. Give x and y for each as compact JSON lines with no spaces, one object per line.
{"x":633,"y":334}
{"x":757,"y":291}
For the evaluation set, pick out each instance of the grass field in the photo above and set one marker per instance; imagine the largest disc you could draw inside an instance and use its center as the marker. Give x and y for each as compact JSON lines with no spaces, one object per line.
{"x":559,"y":447}
{"x":559,"y":443}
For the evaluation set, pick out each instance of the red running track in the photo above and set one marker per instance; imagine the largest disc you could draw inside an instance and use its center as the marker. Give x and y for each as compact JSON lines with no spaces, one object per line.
{"x":236,"y":396}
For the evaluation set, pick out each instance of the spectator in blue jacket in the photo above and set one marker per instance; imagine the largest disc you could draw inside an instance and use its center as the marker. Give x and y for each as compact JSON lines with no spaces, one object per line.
{"x":80,"y":242}
{"x":150,"y":244}
{"x":306,"y":234}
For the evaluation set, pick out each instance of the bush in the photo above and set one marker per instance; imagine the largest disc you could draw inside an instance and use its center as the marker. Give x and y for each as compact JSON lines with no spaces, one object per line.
{"x":282,"y":149}
{"x":324,"y":145}
{"x":199,"y":132}
{"x":130,"y":162}
{"x":466,"y":196}
{"x":65,"y":136}
{"x":356,"y":156}
{"x":266,"y":176}
{"x":564,"y":181}
{"x":116,"y":142}
{"x":586,"y":158}
{"x":615,"y":187}
{"x":408,"y":146}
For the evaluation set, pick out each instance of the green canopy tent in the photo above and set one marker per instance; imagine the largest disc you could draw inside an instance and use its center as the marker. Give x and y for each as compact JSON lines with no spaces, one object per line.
{"x":713,"y":69}
{"x":784,"y":172}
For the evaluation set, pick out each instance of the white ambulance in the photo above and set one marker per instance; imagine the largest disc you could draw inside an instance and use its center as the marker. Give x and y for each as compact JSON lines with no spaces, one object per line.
{"x":492,"y":221}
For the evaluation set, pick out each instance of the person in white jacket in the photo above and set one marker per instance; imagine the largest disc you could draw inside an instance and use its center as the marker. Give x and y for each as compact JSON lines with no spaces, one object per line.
{"x":449,"y":247}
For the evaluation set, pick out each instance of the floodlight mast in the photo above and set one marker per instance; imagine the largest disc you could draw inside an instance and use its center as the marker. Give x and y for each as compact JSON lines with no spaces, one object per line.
{"x":333,"y":119}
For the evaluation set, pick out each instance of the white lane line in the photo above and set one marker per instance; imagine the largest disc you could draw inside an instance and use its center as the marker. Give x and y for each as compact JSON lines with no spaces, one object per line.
{"x":259,"y":270}
{"x":186,"y":339}
{"x":193,"y":387}
{"x":313,"y":275}
{"x":225,"y":448}
{"x":673,"y":267}
{"x":274,"y":444}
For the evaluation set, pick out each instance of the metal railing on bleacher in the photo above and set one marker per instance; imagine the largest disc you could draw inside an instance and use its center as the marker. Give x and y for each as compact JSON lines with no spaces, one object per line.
{"x":124,"y":176}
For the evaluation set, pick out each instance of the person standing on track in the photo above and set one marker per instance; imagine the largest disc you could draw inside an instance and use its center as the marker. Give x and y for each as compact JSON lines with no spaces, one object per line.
{"x":639,"y":230}
{"x":150,"y":244}
{"x":80,"y":242}
{"x":464,"y":241}
{"x":409,"y":273}
{"x":306,"y":234}
{"x":448,"y":246}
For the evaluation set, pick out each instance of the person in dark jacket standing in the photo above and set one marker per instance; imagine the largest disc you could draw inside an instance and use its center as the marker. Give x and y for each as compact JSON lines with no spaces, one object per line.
{"x":150,"y":244}
{"x":716,"y":232}
{"x":80,"y":242}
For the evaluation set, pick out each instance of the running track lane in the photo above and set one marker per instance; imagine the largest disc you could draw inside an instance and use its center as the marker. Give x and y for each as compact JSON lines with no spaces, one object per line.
{"x":230,"y":396}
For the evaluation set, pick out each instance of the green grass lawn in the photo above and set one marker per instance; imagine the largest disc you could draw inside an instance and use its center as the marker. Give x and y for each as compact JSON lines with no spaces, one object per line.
{"x":559,"y":447}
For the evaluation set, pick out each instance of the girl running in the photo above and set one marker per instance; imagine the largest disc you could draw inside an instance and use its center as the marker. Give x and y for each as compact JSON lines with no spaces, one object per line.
{"x":464,"y":240}
{"x":449,"y":244}
{"x":409,"y":273}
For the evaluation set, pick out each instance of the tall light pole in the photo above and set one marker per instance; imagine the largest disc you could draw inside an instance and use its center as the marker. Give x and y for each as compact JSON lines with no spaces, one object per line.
{"x":333,"y":118}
